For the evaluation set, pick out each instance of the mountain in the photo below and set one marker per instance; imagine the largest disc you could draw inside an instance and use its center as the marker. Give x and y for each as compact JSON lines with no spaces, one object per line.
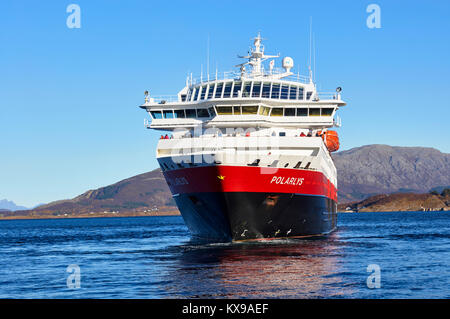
{"x":148,"y":191}
{"x":379,"y":169}
{"x":10,"y":205}
{"x":362,"y":172}
{"x":401,"y":202}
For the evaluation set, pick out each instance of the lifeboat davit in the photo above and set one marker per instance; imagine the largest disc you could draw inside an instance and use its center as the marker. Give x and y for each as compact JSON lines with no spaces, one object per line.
{"x":331,"y":140}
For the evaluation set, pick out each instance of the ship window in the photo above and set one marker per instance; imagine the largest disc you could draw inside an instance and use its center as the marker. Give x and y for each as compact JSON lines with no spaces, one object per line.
{"x":277,"y":111}
{"x":237,"y":88}
{"x":266,"y":90}
{"x":314,"y":112}
{"x":202,"y":96}
{"x":298,"y":164}
{"x":300,"y":93}
{"x":256,"y":89}
{"x":227,"y":90}
{"x":224,"y":110}
{"x":196,"y":93}
{"x":211,"y":91}
{"x":246,"y":92}
{"x":327,"y":111}
{"x":282,"y":134}
{"x":237,"y":110}
{"x":179,"y":114}
{"x":275,"y":91}
{"x":191,"y":114}
{"x":183,"y":97}
{"x":156,"y":115}
{"x":293,"y":92}
{"x":189,"y":94}
{"x":202,"y":113}
{"x":302,"y":112}
{"x":284,"y":91}
{"x":264,"y":110}
{"x":308,"y":95}
{"x":168,"y":114}
{"x":249,"y":109}
{"x":211,"y":112}
{"x":289,"y":112}
{"x":219,"y":88}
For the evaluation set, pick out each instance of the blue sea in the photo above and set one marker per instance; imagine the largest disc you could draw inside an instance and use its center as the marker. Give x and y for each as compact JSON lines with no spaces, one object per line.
{"x":371,"y":255}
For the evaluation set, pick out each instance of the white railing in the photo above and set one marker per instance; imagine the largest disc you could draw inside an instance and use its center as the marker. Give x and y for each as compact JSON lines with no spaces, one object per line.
{"x":162,"y":99}
{"x":236,"y":75}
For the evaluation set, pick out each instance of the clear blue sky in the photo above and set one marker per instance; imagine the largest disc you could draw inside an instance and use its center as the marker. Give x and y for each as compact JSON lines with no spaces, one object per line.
{"x":69,"y":119}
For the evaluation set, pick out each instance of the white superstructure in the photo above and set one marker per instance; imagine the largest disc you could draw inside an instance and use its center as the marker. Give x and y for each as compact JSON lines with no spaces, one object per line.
{"x":253,"y":117}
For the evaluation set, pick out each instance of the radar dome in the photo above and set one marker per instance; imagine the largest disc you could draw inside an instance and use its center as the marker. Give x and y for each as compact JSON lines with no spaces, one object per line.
{"x":288,"y":63}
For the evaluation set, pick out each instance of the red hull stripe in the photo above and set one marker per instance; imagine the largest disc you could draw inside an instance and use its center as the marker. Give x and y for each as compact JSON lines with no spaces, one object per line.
{"x":249,"y":179}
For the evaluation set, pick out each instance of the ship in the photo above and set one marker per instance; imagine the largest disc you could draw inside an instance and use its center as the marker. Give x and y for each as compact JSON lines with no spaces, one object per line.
{"x":247,"y":153}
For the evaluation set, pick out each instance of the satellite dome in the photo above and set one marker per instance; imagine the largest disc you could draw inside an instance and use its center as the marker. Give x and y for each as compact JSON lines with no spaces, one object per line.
{"x":288,"y":63}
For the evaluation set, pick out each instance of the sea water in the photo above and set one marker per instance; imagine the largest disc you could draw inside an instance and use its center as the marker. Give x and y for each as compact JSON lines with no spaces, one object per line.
{"x":371,"y":255}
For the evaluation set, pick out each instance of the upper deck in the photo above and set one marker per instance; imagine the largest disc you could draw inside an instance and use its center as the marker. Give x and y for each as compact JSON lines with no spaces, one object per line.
{"x":249,"y":98}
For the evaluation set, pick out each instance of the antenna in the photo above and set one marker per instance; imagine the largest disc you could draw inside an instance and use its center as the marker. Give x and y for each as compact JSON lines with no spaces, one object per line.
{"x":310,"y":46}
{"x":314,"y":59}
{"x":207,"y":60}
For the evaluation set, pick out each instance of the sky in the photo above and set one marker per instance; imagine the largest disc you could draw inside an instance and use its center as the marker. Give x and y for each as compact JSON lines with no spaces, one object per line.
{"x":69,"y":116}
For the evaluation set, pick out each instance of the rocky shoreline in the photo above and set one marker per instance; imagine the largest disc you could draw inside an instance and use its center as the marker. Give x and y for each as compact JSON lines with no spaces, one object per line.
{"x":400,"y":202}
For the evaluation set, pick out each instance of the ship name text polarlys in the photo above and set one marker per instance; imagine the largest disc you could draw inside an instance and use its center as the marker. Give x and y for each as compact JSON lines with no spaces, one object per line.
{"x":287,"y":180}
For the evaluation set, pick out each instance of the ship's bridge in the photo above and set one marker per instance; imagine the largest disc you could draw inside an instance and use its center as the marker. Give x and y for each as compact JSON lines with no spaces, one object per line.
{"x":255,"y":98}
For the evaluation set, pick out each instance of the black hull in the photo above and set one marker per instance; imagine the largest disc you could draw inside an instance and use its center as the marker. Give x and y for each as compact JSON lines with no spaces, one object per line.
{"x":238,"y":216}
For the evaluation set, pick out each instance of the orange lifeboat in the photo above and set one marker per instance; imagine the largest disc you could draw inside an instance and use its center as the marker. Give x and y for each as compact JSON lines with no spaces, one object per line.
{"x":331,"y":140}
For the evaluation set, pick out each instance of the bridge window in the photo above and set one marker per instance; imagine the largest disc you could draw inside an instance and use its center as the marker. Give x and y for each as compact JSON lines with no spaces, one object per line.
{"x":227,"y":90}
{"x":327,"y":111}
{"x":247,"y":87}
{"x":212,"y":113}
{"x":237,"y":88}
{"x":189,"y":94}
{"x":224,"y":110}
{"x":191,"y":114}
{"x":196,"y":93}
{"x":183,"y":97}
{"x":202,"y":113}
{"x":168,"y":114}
{"x":249,"y":109}
{"x":314,"y":112}
{"x":300,"y":93}
{"x":293,"y":92}
{"x":277,"y":111}
{"x":284,"y":91}
{"x":266,"y":90}
{"x":275,"y":91}
{"x":211,"y":91}
{"x":219,"y":88}
{"x":156,"y":115}
{"x":308,"y":95}
{"x":256,"y":89}
{"x":236,"y":110}
{"x":264,"y":110}
{"x":289,"y":112}
{"x":302,"y":112}
{"x":179,"y":114}
{"x":202,"y":96}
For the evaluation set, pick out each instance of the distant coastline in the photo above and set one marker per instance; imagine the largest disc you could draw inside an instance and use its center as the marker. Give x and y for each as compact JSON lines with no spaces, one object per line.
{"x":398,"y":202}
{"x":22,"y":215}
